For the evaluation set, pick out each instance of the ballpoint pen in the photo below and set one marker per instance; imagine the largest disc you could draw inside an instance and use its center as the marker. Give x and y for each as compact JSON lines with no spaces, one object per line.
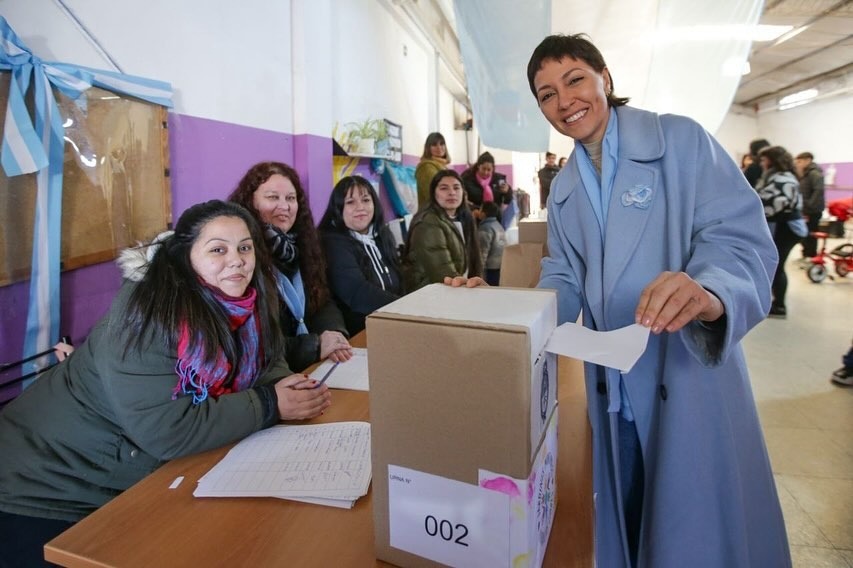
{"x":327,"y":375}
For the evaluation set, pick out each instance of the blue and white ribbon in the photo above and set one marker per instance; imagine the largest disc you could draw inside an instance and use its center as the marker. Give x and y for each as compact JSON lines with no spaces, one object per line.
{"x":38,"y":146}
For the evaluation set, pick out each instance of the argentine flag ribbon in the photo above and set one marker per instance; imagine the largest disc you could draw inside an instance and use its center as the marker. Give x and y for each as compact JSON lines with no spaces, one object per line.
{"x":38,"y":147}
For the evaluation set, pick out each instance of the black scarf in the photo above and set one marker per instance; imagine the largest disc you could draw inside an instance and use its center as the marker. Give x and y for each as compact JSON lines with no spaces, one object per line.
{"x":283,"y":249}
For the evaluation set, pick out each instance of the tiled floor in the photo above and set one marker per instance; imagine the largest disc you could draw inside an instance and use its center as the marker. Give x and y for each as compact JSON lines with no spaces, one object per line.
{"x":807,"y":420}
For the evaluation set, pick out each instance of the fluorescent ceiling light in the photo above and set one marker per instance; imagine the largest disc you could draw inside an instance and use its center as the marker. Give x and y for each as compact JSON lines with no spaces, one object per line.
{"x":765,"y":32}
{"x":735,"y":66}
{"x":788,"y":35}
{"x":713,"y":32}
{"x":797,"y":99}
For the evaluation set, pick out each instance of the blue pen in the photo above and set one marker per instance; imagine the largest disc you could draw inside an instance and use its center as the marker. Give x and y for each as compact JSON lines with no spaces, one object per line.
{"x":327,"y":375}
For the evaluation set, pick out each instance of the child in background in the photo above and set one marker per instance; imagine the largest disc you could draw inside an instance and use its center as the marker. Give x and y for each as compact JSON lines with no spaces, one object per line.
{"x":492,"y":242}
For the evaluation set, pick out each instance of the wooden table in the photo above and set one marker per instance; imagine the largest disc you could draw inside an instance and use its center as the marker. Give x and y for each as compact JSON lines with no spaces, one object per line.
{"x":152,"y":525}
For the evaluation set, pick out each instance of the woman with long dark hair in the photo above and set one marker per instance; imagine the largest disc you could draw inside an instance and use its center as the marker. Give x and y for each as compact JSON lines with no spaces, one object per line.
{"x":362,"y":263}
{"x":442,"y":240}
{"x":188,"y":358}
{"x":313,"y":326}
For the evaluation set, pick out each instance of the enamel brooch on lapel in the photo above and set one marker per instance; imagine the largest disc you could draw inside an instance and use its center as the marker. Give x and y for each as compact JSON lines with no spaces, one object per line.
{"x":640,"y":196}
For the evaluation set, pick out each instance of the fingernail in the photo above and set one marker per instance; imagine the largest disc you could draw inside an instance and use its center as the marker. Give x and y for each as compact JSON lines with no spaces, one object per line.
{"x":647,"y":322}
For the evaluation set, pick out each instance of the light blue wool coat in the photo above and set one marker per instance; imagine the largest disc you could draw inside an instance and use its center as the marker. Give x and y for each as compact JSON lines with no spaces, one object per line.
{"x":679,"y":203}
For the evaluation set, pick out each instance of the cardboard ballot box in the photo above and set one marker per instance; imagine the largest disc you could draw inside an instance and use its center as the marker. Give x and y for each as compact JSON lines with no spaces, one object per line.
{"x":533,"y":231}
{"x":463,"y":426}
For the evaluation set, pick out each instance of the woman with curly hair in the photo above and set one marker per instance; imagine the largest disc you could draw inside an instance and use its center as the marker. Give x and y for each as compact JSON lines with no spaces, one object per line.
{"x":313,"y":326}
{"x":779,"y":191}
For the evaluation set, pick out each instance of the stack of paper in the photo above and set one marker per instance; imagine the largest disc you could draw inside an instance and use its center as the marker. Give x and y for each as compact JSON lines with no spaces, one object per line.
{"x":350,"y":375}
{"x":327,"y":464}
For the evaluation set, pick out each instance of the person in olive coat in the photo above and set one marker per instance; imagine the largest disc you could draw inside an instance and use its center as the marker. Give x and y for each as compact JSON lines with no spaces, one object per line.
{"x":442,"y":239}
{"x":188,"y":358}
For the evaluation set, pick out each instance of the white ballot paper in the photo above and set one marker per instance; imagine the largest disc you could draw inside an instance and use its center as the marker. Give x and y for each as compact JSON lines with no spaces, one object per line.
{"x":618,"y":349}
{"x":350,"y":374}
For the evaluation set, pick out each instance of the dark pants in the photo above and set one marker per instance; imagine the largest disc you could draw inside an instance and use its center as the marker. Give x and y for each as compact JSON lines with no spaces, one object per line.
{"x":22,"y":539}
{"x":810,"y":243}
{"x":785,"y":241}
{"x":633,"y":478}
{"x":492,"y":276}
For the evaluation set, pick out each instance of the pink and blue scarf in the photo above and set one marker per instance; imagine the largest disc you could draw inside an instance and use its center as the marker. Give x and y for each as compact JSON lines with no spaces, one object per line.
{"x":202,"y":379}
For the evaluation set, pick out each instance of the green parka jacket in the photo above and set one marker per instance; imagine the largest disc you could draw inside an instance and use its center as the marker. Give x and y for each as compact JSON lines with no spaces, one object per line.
{"x":434,"y":249}
{"x":97,"y":423}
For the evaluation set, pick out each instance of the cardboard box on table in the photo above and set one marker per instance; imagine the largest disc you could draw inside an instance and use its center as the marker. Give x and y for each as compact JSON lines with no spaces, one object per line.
{"x":520,"y":264}
{"x":533,"y":231}
{"x":463,"y":414}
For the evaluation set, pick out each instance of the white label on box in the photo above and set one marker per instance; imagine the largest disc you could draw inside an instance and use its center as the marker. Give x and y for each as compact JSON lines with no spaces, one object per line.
{"x":455,"y":523}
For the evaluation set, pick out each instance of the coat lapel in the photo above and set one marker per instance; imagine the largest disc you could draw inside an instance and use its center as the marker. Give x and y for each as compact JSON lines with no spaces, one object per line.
{"x":635,"y":191}
{"x":583,"y":235}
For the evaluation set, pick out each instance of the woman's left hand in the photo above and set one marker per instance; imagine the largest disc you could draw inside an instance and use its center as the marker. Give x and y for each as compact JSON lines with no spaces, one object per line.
{"x":335,"y":346}
{"x":673,"y":300}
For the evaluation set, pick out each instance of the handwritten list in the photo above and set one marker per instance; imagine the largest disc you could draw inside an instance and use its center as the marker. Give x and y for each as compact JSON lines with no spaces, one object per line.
{"x":327,"y":464}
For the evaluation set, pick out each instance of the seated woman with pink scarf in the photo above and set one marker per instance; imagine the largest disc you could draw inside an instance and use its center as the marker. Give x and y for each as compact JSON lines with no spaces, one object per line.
{"x":483,"y":183}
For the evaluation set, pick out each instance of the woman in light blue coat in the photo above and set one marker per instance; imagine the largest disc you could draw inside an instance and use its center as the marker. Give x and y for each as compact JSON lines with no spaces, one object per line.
{"x":651,"y":222}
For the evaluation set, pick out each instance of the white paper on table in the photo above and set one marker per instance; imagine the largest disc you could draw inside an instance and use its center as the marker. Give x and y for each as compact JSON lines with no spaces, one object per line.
{"x":318,"y":462}
{"x":618,"y":349}
{"x":454,"y":523}
{"x":350,"y":375}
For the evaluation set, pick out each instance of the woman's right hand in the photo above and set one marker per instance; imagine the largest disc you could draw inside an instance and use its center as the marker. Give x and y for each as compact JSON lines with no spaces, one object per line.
{"x":458,"y":281}
{"x":299,"y":398}
{"x":334,"y":345}
{"x":62,"y":350}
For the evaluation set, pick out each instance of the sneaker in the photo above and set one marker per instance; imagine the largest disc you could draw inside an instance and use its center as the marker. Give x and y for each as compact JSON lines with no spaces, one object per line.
{"x":804,"y":263}
{"x":778,"y":312}
{"x":843,"y":376}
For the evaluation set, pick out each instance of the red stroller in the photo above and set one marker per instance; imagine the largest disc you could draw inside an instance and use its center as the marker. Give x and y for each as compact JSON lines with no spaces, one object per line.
{"x":841,"y":256}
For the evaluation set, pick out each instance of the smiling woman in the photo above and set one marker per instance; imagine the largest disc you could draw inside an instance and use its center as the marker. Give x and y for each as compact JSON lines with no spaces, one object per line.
{"x":312,"y":324}
{"x":442,"y":239}
{"x":363,"y":268}
{"x":189,"y":358}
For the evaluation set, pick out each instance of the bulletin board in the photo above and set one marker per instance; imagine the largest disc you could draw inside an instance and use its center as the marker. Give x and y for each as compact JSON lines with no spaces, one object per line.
{"x":116,"y":189}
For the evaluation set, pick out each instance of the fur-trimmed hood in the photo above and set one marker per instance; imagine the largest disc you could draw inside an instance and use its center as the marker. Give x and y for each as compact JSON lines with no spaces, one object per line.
{"x":134,"y":261}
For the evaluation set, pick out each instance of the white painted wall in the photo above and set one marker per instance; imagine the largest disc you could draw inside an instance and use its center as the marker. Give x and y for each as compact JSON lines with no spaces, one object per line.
{"x":823,"y":127}
{"x":381,"y":70}
{"x":227,"y":61}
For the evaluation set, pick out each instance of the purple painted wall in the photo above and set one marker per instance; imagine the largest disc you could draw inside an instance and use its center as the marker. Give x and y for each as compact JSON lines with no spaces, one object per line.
{"x":207,"y":160}
{"x":843,"y":186}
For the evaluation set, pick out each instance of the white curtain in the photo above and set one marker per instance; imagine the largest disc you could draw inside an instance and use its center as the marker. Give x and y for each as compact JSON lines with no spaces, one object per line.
{"x":668,"y":56}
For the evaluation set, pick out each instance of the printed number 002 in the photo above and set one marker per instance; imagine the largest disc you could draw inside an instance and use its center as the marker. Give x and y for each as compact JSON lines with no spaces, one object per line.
{"x":445,"y":529}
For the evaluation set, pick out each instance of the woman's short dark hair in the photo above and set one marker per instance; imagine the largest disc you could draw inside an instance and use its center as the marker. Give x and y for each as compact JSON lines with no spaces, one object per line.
{"x":578,"y":46}
{"x":431,"y":140}
{"x":780,"y":159}
{"x":171,"y":294}
{"x":312,"y":264}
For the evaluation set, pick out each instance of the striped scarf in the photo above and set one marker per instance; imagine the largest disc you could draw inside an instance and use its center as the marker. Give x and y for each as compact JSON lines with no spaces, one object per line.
{"x":202,"y":379}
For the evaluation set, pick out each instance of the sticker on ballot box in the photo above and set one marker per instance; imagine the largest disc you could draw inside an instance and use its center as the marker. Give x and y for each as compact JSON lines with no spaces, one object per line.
{"x":455,"y":523}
